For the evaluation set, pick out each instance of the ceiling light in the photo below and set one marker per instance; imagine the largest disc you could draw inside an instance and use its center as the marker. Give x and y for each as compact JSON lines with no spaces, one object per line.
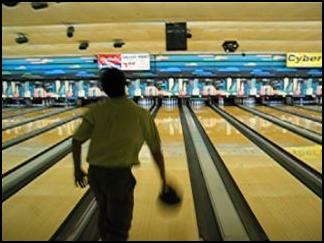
{"x":83,"y":45}
{"x":70,"y":31}
{"x":230,"y":46}
{"x":21,"y":38}
{"x":39,"y":5}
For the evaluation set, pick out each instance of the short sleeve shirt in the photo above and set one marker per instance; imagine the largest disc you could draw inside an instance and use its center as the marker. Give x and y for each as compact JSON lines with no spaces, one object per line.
{"x":117,"y":129}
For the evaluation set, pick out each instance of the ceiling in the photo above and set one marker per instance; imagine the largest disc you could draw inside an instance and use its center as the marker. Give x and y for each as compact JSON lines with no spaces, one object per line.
{"x":258,"y":27}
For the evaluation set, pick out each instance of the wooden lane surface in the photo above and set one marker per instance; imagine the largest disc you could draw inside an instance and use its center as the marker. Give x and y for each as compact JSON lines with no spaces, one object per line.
{"x":29,"y":127}
{"x":16,"y":111}
{"x":307,"y":151}
{"x":29,"y":115}
{"x":4,"y":110}
{"x":285,"y":208}
{"x":17,"y":154}
{"x":36,"y":211}
{"x":297,"y":120}
{"x":302,"y":111}
{"x":311,"y":107}
{"x":151,"y":220}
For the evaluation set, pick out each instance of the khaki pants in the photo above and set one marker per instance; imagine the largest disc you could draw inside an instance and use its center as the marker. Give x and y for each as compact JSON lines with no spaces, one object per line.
{"x":114,"y":192}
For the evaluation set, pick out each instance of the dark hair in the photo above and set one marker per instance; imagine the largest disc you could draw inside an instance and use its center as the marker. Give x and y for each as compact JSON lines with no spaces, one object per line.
{"x":113,"y":82}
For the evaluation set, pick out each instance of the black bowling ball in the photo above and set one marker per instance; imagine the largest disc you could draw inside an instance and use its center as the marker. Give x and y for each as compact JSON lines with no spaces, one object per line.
{"x":169,"y":196}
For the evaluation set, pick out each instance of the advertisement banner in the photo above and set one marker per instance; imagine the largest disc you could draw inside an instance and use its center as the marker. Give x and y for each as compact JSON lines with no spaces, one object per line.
{"x":307,"y":59}
{"x":109,"y":61}
{"x":135,"y":62}
{"x":125,"y":62}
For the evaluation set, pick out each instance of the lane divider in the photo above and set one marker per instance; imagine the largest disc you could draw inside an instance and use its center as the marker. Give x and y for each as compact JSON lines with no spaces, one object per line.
{"x":207,"y":223}
{"x":234,"y":216}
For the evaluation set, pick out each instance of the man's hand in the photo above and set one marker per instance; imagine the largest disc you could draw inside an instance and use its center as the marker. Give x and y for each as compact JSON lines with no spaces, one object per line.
{"x":80,"y":178}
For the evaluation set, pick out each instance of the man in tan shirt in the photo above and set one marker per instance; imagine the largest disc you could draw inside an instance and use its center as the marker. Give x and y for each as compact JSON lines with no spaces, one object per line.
{"x":117,"y":128}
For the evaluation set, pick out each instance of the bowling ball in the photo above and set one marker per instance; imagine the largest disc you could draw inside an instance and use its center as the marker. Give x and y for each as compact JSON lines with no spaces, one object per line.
{"x":169,"y":196}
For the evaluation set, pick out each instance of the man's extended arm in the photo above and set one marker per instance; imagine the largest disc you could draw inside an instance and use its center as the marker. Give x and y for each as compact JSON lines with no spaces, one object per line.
{"x":159,"y":160}
{"x":79,"y":174}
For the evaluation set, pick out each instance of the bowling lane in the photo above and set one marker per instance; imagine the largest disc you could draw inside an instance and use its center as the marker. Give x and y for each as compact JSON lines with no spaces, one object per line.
{"x":309,"y":113}
{"x":311,"y":107}
{"x":53,"y":193}
{"x":36,"y":211}
{"x":15,"y":155}
{"x":5,"y":109}
{"x":8,"y":110}
{"x":297,"y":120}
{"x":11,"y":111}
{"x":151,"y":220}
{"x":17,"y":111}
{"x":29,"y":115}
{"x":302,"y":148}
{"x":29,"y":127}
{"x":284,"y":207}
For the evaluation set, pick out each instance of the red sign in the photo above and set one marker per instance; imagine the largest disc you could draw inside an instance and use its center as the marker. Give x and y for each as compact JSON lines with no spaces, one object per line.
{"x":109,"y":61}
